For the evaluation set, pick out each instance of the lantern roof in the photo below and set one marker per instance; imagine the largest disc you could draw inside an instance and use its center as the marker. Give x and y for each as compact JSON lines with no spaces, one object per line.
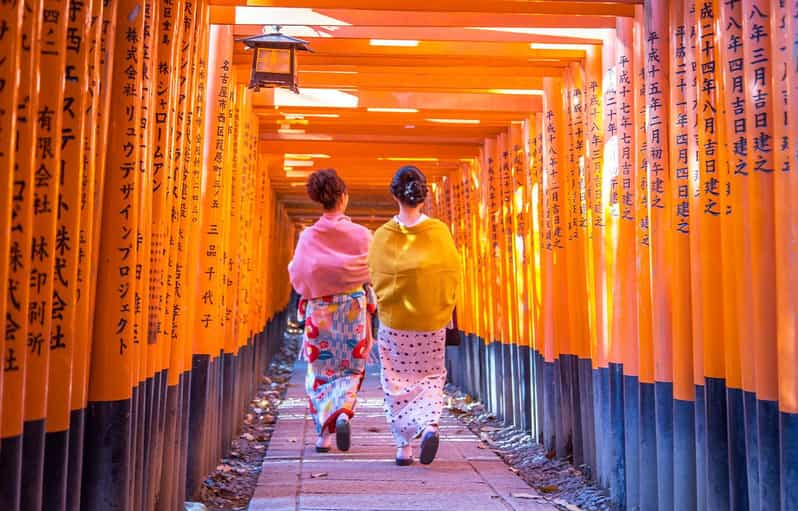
{"x":276,"y":40}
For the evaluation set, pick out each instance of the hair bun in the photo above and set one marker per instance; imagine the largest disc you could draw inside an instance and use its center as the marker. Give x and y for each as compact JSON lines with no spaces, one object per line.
{"x":409,"y":185}
{"x":326,"y":187}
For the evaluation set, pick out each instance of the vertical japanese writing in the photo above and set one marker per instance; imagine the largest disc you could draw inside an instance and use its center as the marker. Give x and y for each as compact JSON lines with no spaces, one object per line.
{"x":116,"y":269}
{"x":232,"y":228}
{"x":42,"y":304}
{"x":509,"y":288}
{"x":244,"y":227}
{"x":611,"y":122}
{"x":683,"y":115}
{"x":656,"y":57}
{"x":643,"y":252}
{"x":643,"y":235}
{"x":87,"y":236}
{"x":71,"y":175}
{"x":65,"y":292}
{"x":577,"y":96}
{"x":128,"y":168}
{"x":549,"y":135}
{"x":183,"y":161}
{"x":10,"y":24}
{"x":489,"y":234}
{"x":710,"y":181}
{"x":19,"y":263}
{"x":507,"y":184}
{"x":731,"y":48}
{"x":571,"y":180}
{"x":691,"y":191}
{"x":224,"y":262}
{"x":144,"y":246}
{"x":210,"y":317}
{"x":757,"y":68}
{"x":656,"y":128}
{"x":626,"y":135}
{"x":520,"y":163}
{"x":164,"y":188}
{"x":781,"y":26}
{"x":493,"y":202}
{"x":595,"y":140}
{"x":552,"y":238}
{"x":11,"y":21}
{"x":758,"y":71}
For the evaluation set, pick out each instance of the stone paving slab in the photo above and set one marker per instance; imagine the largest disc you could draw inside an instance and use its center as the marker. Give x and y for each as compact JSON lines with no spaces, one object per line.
{"x":463,"y":477}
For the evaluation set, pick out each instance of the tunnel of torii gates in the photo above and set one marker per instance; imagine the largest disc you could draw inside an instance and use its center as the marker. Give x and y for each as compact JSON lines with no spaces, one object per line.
{"x":619,"y":177}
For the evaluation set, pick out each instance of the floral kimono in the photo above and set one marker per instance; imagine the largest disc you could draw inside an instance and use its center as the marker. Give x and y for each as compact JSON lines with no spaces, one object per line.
{"x":336,"y":344}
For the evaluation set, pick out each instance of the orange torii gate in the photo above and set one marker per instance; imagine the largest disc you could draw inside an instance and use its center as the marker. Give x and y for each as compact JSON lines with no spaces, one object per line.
{"x":97,"y":358}
{"x":628,"y":234}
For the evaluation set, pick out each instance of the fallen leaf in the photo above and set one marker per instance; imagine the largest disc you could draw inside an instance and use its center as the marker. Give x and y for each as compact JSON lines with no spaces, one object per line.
{"x":481,"y":446}
{"x":247,"y":436}
{"x":320,"y":474}
{"x":224,"y":468}
{"x":514,"y":470}
{"x":549,"y":488}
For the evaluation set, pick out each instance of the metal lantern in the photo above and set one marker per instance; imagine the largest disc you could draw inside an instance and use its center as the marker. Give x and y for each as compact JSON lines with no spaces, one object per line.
{"x":274,"y":60}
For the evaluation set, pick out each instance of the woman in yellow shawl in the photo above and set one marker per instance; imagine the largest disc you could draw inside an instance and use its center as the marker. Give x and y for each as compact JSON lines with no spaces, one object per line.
{"x":415,"y":270}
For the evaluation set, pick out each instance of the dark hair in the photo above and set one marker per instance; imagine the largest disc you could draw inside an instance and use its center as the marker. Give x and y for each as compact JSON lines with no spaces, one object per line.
{"x":409,"y":185}
{"x":326,"y":187}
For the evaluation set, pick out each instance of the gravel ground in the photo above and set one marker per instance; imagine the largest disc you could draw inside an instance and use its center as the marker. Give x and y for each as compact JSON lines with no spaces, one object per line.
{"x":231,"y":485}
{"x":563,"y":484}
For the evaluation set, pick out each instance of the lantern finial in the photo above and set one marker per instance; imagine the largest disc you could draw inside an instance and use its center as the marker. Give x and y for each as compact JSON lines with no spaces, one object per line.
{"x":274,"y":59}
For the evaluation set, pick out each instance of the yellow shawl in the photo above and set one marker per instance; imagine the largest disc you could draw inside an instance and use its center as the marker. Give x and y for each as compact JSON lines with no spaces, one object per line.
{"x":415,"y":272}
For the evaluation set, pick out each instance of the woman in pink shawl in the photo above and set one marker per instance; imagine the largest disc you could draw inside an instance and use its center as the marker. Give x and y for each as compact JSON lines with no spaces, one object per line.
{"x":330,"y":271}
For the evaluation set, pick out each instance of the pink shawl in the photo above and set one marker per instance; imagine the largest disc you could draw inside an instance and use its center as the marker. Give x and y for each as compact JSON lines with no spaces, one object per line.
{"x":331,"y":257}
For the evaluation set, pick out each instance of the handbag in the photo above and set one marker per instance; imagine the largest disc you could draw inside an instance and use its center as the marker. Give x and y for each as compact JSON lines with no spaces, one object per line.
{"x":453,"y":333}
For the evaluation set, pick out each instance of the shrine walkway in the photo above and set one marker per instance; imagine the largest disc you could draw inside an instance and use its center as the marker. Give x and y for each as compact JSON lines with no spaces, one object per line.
{"x":463,"y":475}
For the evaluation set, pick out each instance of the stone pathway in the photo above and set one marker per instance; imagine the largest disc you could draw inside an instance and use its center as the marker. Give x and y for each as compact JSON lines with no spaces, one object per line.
{"x":463,"y":476}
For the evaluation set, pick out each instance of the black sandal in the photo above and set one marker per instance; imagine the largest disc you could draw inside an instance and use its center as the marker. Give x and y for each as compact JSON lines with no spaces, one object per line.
{"x":429,"y":447}
{"x":343,"y":435}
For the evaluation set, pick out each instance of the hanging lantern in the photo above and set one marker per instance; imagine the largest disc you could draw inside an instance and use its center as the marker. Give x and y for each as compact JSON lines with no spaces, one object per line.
{"x":274,"y":60}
